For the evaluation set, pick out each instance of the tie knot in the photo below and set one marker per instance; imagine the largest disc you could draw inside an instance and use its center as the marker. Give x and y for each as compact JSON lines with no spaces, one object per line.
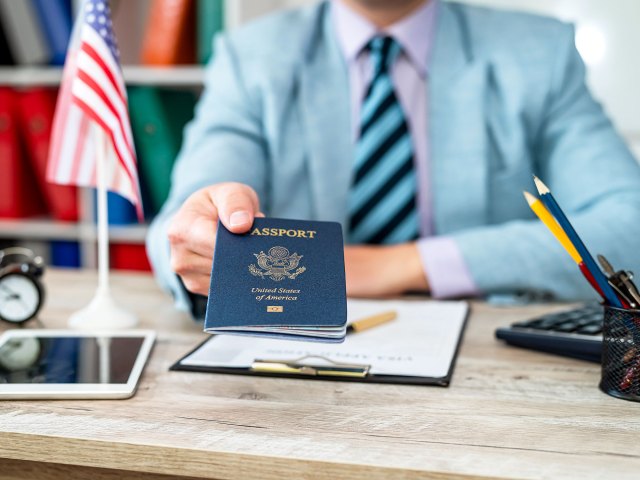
{"x":384,"y":50}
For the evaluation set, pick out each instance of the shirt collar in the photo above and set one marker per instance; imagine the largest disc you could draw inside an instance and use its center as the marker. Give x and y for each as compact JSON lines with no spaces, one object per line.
{"x":414,"y":33}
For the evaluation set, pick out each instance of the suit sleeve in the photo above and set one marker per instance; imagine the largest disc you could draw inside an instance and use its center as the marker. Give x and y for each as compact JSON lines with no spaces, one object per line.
{"x":224,"y":143}
{"x":445,"y":268}
{"x":593,"y":176}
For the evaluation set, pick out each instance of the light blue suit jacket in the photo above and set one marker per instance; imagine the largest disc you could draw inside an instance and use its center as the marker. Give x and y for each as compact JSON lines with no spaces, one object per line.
{"x":507,"y":98}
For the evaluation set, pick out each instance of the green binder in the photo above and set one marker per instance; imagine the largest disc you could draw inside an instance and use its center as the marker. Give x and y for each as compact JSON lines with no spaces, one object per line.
{"x":210,"y":18}
{"x":158,"y":117}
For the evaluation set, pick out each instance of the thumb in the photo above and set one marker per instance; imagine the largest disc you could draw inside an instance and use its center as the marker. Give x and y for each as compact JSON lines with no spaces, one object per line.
{"x":237,"y":206}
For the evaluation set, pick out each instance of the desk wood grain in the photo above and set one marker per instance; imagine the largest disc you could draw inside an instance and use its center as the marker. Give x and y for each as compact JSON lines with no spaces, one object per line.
{"x":508,"y":413}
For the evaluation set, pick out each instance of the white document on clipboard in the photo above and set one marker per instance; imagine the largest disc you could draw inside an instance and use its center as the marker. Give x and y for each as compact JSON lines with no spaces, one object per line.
{"x":421,"y":342}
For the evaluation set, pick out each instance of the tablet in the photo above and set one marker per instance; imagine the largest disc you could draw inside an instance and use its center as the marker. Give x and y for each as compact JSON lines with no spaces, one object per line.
{"x":62,"y":364}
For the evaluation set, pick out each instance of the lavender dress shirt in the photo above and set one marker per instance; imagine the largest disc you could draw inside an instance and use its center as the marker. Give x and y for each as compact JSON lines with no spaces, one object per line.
{"x":441,"y":259}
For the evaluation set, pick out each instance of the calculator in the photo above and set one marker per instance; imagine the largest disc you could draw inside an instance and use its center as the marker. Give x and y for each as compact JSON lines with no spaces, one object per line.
{"x":575,"y":333}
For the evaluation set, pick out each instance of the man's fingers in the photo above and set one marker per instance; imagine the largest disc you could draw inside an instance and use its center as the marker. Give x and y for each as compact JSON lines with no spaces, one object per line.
{"x":192,"y":231}
{"x":187,"y":264}
{"x":202,"y":237}
{"x":237,"y":206}
{"x":197,"y":284}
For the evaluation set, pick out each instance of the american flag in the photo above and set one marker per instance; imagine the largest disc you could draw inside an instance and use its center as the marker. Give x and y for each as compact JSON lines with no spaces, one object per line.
{"x":92,"y":111}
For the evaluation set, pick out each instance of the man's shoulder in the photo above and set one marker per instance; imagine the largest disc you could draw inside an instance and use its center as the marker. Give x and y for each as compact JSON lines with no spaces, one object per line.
{"x":507,"y":22}
{"x":510,"y":31}
{"x":281,"y":34}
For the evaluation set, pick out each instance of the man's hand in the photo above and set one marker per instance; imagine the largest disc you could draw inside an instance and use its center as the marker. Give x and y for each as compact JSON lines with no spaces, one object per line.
{"x":192,"y":231}
{"x":382,"y":271}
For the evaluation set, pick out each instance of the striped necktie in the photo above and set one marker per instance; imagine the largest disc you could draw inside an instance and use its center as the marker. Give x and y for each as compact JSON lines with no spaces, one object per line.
{"x":382,"y":203}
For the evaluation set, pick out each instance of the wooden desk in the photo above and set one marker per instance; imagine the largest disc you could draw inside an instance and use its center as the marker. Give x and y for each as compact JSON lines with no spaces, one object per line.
{"x":509,"y":413}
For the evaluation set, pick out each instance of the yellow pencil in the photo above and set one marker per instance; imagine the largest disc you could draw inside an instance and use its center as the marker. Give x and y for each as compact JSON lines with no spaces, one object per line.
{"x":543,"y":214}
{"x":372,"y":321}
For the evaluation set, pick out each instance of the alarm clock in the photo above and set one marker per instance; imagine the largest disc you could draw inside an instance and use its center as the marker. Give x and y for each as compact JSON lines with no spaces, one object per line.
{"x":21,"y":292}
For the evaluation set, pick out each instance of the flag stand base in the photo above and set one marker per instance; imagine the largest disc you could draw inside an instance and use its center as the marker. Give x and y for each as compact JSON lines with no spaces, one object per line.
{"x":102,"y":314}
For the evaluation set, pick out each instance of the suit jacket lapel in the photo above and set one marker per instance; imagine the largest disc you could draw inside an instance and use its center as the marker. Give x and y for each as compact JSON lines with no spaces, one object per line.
{"x":326,"y":118}
{"x":457,"y":87}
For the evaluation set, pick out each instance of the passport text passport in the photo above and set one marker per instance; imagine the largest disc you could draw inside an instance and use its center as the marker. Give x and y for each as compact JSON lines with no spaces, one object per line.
{"x":283,"y":278}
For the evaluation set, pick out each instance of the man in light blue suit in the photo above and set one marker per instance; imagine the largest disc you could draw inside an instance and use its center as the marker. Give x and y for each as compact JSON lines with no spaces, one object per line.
{"x":416,"y":124}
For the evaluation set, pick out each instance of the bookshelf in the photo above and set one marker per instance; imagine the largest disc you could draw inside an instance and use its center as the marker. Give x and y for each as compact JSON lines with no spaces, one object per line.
{"x":37,"y":231}
{"x":44,"y":229}
{"x":178,"y":76}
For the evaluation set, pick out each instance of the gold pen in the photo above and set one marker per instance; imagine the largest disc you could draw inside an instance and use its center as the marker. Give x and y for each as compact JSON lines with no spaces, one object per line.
{"x":371,"y":321}
{"x":329,"y":368}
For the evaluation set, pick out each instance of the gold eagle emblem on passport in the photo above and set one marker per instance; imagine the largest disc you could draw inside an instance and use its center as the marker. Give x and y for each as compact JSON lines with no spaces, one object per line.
{"x":277,"y":264}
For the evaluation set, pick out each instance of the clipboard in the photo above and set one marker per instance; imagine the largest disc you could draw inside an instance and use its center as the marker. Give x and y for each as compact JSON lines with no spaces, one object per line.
{"x":315,"y":367}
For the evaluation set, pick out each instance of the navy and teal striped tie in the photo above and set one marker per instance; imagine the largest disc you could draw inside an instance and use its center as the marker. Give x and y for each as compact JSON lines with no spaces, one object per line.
{"x":382,"y":203}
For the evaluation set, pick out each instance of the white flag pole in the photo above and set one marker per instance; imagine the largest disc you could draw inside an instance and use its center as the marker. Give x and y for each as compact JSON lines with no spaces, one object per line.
{"x":102,"y":312}
{"x":103,"y":214}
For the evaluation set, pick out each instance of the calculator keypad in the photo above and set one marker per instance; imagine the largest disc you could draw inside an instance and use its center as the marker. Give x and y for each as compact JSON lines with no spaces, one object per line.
{"x":584,"y":321}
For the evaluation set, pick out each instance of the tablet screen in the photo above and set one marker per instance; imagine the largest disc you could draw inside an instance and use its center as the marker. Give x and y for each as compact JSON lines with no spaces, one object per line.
{"x":68,"y":360}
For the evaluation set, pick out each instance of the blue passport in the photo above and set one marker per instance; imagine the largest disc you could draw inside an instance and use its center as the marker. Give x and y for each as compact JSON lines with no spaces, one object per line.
{"x":283,"y":278}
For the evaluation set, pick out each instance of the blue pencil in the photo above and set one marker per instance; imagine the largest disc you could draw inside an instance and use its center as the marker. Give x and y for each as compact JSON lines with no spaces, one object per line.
{"x":556,"y":211}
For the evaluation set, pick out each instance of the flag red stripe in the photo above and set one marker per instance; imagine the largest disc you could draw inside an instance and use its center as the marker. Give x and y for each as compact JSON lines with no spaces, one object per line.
{"x":59,"y":126}
{"x":134,"y":182}
{"x":89,"y":50}
{"x":96,"y":118}
{"x":117,"y":181}
{"x":97,"y":72}
{"x":79,"y":151}
{"x":57,"y":140}
{"x":84,"y":92}
{"x":82,"y":75}
{"x":94,"y":170}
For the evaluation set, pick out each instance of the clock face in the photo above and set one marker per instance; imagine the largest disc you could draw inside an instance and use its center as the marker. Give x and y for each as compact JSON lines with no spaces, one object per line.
{"x":20,"y":297}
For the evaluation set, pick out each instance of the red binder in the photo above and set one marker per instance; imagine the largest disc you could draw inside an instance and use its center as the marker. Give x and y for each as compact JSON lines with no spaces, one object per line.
{"x":19,"y":194}
{"x":36,"y":109}
{"x":129,"y":256}
{"x":169,"y":37}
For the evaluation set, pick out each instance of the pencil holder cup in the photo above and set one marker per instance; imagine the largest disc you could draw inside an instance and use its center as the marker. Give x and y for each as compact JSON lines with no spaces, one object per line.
{"x":621,"y":353}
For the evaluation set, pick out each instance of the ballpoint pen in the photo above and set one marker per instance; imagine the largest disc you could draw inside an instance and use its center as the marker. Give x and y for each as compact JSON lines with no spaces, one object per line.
{"x":622,"y":282}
